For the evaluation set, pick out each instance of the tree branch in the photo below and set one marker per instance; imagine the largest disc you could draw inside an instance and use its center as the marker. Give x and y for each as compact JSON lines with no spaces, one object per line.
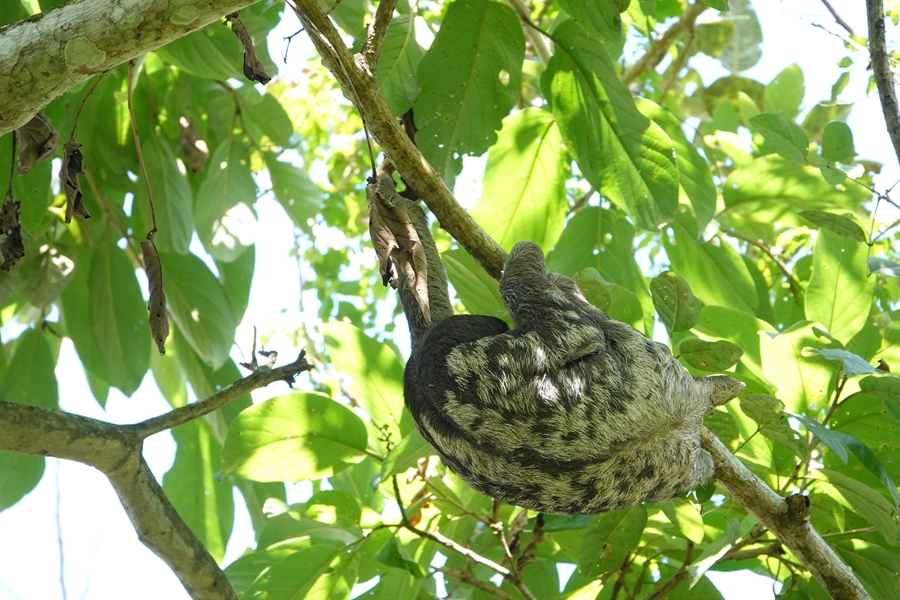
{"x":532,"y":31}
{"x":881,"y":69}
{"x":357,"y":80}
{"x":115,"y":450}
{"x":657,"y":50}
{"x":377,"y":30}
{"x":44,"y":56}
{"x":786,"y":518}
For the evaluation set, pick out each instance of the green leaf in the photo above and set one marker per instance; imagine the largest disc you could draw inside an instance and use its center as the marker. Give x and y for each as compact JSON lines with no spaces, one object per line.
{"x":872,"y":464}
{"x":322,"y":571}
{"x":830,"y":438}
{"x":43,"y":275}
{"x":225,"y":221}
{"x":609,"y":537}
{"x":395,"y":555}
{"x":205,"y":504}
{"x":784,"y":94}
{"x":236,"y":278}
{"x":694,"y":173}
{"x":294,"y":437}
{"x":839,"y":294}
{"x":882,"y":266}
{"x":169,"y":378}
{"x":478,"y":291}
{"x":787,"y":139}
{"x":172,"y":199}
{"x":524,"y":195}
{"x":875,"y":567}
{"x":398,"y":64}
{"x":199,"y":306}
{"x":743,"y":50}
{"x":19,"y":475}
{"x":30,"y":377}
{"x":405,"y":454}
{"x":600,"y":19}
{"x":265,"y":116}
{"x":716,"y":274}
{"x":32,"y":190}
{"x":839,"y":224}
{"x":623,"y":154}
{"x":375,"y":375}
{"x":710,"y":356}
{"x":118,"y":317}
{"x":213,"y":52}
{"x":685,"y":517}
{"x":297,"y":193}
{"x":852,"y":364}
{"x":803,"y":384}
{"x":675,"y":303}
{"x":861,"y":499}
{"x":762,"y":408}
{"x":75,"y":303}
{"x":595,"y":289}
{"x":837,"y":142}
{"x":469,"y":80}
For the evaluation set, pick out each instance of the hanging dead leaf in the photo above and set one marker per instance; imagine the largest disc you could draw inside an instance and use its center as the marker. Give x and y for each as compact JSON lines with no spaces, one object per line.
{"x":394,"y":237}
{"x":159,"y":319}
{"x":253,"y":67}
{"x":12,"y":247}
{"x":37,"y":141}
{"x":194,"y":147}
{"x":68,"y":175}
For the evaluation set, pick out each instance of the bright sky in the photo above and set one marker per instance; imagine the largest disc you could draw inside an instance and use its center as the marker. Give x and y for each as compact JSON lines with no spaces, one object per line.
{"x":74,"y":509}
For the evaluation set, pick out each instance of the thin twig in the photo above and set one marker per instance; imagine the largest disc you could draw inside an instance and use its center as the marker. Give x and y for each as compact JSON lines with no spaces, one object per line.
{"x":837,"y":17}
{"x":531,"y":31}
{"x":660,"y":46}
{"x":377,"y":30}
{"x":474,"y":581}
{"x":259,"y":378}
{"x":881,"y":69}
{"x":767,"y":250}
{"x":83,"y":101}
{"x":12,"y":164}
{"x":137,"y":146}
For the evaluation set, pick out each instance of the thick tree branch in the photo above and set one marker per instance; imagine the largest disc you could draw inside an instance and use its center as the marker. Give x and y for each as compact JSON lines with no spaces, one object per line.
{"x":357,"y":80}
{"x":44,"y":56}
{"x":115,"y":450}
{"x":881,"y":69}
{"x":786,"y":518}
{"x":660,"y":46}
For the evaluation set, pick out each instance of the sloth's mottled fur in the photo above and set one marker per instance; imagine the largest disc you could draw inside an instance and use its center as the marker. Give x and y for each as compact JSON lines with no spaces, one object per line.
{"x":569,"y":412}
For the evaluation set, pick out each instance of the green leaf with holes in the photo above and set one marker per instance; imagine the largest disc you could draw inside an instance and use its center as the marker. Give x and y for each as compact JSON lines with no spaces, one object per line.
{"x":710,"y":356}
{"x":675,"y":303}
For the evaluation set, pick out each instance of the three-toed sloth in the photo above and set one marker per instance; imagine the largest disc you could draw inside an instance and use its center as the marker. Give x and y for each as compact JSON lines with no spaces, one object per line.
{"x":570,"y":411}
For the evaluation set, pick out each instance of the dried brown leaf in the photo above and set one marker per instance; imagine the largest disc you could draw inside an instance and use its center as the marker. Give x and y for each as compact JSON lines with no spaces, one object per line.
{"x":12,"y":247}
{"x":159,"y":319}
{"x":68,"y":176}
{"x":194,"y":147}
{"x":37,"y":141}
{"x":395,"y":238}
{"x":253,"y":67}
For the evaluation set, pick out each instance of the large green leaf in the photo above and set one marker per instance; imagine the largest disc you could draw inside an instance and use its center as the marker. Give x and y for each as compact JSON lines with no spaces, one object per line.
{"x":199,"y":306}
{"x":172,"y":199}
{"x":320,"y":572}
{"x":19,"y":474}
{"x":784,"y":94}
{"x":743,"y":49}
{"x":398,"y":64}
{"x":839,"y":293}
{"x":32,"y":190}
{"x":212,"y":52}
{"x":685,"y":516}
{"x":785,"y":137}
{"x":375,"y":371}
{"x":236,"y":278}
{"x":876,"y":568}
{"x":675,"y":303}
{"x":297,"y":193}
{"x":225,"y":221}
{"x":294,"y":437}
{"x":716,"y":274}
{"x":205,"y":503}
{"x":862,"y":499}
{"x":600,"y":19}
{"x":118,"y":317}
{"x":609,"y":537}
{"x":694,"y":173}
{"x":265,"y":116}
{"x":524,"y":195}
{"x":469,"y":80}
{"x":621,"y":152}
{"x":803,"y":383}
{"x":478,"y":291}
{"x":405,"y":454}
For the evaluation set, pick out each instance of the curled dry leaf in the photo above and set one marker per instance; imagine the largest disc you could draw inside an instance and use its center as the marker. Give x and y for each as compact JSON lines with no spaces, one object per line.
{"x":159,"y":320}
{"x":253,"y":67}
{"x":68,"y":175}
{"x":394,"y":237}
{"x":12,"y":247}
{"x":37,"y":141}
{"x":194,"y":147}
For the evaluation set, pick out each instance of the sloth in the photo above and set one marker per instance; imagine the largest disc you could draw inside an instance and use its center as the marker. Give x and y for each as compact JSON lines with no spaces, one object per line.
{"x":569,"y":412}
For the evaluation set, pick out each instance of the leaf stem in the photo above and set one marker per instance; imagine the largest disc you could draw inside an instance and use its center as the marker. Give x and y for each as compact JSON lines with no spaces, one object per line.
{"x":137,"y":147}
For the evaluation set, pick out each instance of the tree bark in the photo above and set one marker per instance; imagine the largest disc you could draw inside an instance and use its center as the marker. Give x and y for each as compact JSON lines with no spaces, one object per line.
{"x":44,"y":56}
